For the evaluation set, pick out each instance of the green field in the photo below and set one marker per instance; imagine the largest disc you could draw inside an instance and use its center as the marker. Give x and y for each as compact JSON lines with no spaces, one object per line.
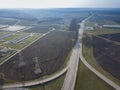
{"x":19,"y":45}
{"x":88,"y":23}
{"x":86,"y":80}
{"x":100,"y":31}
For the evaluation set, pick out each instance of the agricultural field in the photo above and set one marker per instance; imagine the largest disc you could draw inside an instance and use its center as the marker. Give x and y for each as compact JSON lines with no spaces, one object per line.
{"x":114,"y":37}
{"x":107,"y":55}
{"x":106,"y":18}
{"x":100,"y":31}
{"x":38,"y":29}
{"x":51,"y":51}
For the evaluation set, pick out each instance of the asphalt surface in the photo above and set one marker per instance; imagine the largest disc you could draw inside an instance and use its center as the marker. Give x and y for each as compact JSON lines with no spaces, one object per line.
{"x":70,"y":78}
{"x":71,"y":73}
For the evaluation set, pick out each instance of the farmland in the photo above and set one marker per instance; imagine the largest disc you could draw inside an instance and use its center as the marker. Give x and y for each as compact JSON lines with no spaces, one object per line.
{"x":38,"y":29}
{"x":114,"y":37}
{"x":107,"y":59}
{"x":51,"y":51}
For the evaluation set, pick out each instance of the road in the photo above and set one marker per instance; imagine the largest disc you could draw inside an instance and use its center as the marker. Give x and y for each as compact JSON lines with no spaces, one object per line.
{"x":71,"y":73}
{"x":70,"y":78}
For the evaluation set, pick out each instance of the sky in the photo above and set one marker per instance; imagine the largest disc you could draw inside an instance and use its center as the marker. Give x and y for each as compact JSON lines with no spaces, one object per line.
{"x":59,"y":3}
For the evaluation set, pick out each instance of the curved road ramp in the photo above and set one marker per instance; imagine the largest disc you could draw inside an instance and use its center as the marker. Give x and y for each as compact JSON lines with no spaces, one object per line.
{"x":17,"y":89}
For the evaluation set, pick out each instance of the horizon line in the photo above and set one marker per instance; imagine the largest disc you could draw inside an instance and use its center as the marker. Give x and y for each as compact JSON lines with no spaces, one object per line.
{"x":64,"y":8}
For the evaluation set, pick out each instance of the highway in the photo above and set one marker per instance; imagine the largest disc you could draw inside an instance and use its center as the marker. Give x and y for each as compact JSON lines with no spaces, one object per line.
{"x":70,"y":79}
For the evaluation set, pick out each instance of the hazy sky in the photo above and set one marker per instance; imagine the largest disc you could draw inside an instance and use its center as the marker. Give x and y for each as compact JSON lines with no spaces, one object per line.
{"x":59,"y":3}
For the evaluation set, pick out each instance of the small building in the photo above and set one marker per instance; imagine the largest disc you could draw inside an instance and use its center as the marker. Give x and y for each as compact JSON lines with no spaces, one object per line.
{"x":4,"y":50}
{"x":89,"y":28}
{"x":98,"y":25}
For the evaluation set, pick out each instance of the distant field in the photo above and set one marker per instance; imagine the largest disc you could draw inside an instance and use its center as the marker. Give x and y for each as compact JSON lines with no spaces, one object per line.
{"x":62,"y":21}
{"x":106,"y":19}
{"x":7,"y":21}
{"x":87,"y":80}
{"x":51,"y":51}
{"x":114,"y":37}
{"x":38,"y":29}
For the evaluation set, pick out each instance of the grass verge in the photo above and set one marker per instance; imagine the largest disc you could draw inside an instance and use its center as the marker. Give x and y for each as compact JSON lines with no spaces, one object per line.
{"x":87,"y":80}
